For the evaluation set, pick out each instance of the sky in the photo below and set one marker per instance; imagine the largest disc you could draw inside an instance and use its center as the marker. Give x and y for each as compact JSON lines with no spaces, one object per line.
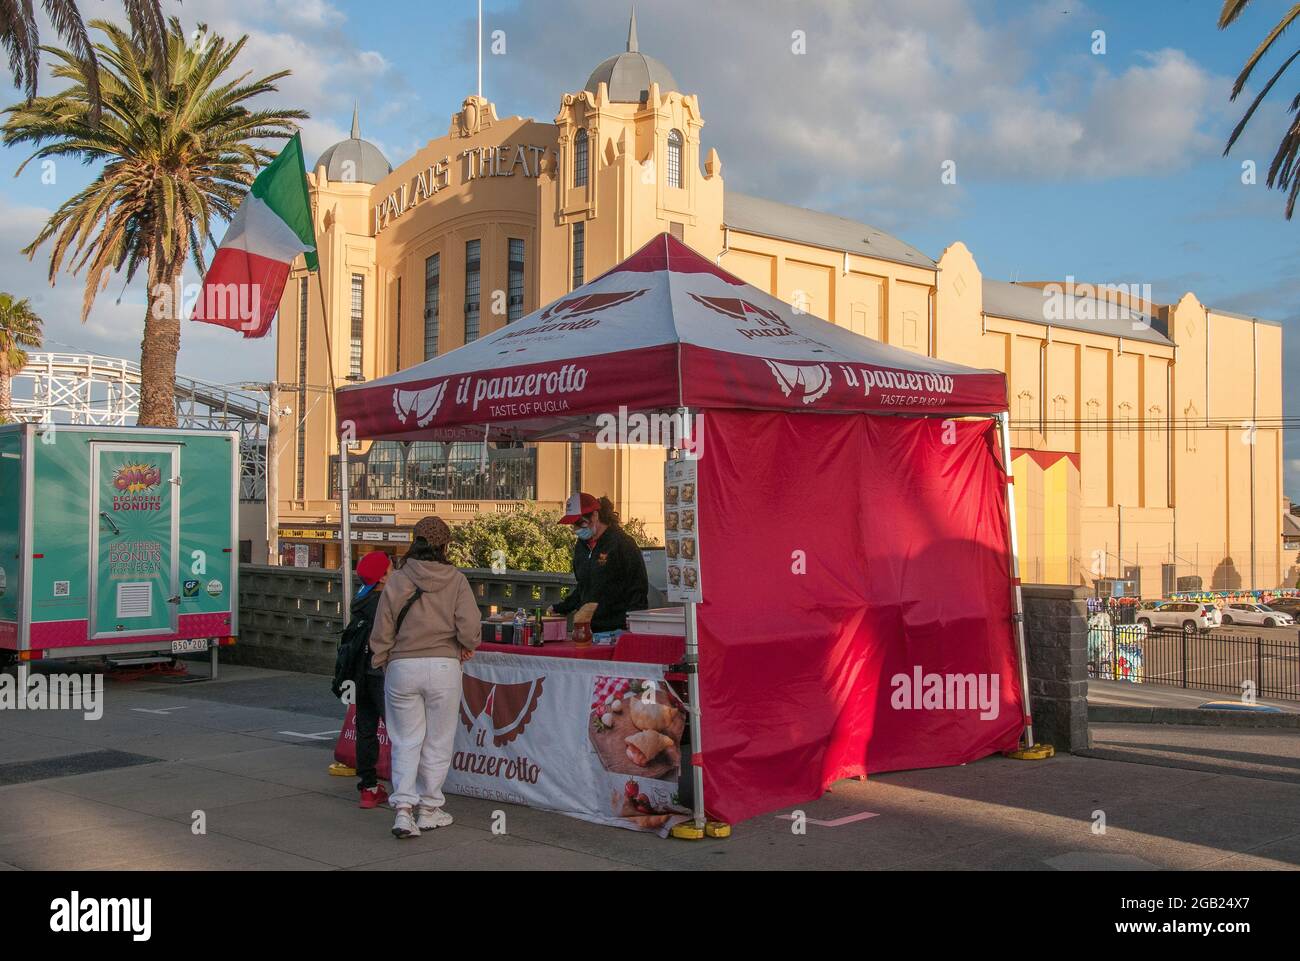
{"x":1086,"y":139}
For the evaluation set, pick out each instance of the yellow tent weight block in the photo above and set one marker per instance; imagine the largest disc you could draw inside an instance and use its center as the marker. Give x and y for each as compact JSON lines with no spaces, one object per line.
{"x":687,"y":831}
{"x":1038,"y":752}
{"x":717,"y":829}
{"x":342,"y":770}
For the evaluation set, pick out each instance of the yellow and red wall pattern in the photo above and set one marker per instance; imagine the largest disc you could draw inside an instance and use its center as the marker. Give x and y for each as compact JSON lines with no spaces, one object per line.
{"x":1047,"y":515}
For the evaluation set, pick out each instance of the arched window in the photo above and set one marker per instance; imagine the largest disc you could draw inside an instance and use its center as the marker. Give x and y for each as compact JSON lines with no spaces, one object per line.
{"x":674,"y":158}
{"x":580,"y":159}
{"x":426,"y":469}
{"x":384,"y":478}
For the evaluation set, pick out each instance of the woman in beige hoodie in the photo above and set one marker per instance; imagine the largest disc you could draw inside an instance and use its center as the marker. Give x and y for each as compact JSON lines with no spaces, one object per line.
{"x":421,"y":662}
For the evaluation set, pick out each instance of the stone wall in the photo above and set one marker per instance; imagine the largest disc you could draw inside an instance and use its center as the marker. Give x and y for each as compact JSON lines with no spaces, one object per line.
{"x":1056,"y":639}
{"x":290,"y":618}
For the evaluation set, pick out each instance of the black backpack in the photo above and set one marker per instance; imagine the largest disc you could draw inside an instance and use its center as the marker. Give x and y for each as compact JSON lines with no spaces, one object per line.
{"x":353,"y":656}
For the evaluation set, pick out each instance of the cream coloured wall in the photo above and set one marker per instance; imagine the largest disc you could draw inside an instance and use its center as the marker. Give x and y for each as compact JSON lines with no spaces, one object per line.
{"x":876,"y":298}
{"x":1148,"y":495}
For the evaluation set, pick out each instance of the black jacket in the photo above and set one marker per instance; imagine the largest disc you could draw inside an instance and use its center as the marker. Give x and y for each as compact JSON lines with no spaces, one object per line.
{"x":610,"y":572}
{"x":367,"y":607}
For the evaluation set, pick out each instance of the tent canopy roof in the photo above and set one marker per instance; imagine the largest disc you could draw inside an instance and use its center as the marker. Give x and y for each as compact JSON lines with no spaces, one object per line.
{"x":665,"y":328}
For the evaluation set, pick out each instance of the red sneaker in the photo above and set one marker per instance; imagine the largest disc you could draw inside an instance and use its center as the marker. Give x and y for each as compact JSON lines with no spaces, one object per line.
{"x":373,"y":797}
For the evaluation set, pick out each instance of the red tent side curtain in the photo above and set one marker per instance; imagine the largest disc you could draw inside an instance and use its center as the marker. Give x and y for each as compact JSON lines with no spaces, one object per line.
{"x":857,"y":612}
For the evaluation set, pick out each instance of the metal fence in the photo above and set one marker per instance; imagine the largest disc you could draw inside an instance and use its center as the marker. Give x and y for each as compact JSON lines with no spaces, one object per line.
{"x":1214,"y":661}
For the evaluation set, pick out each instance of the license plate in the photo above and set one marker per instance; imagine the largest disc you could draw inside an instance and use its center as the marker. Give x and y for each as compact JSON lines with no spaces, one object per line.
{"x":196,"y":645}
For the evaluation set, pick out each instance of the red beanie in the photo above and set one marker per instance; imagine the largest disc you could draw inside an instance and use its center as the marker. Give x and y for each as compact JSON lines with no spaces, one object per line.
{"x":372,"y":567}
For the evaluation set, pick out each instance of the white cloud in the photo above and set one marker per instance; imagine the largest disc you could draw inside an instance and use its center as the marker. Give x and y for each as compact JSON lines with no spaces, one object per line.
{"x":887,"y":92}
{"x":116,"y":322}
{"x":330,"y":69}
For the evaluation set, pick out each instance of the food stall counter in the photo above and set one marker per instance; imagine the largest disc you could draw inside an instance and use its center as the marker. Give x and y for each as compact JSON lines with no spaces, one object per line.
{"x":590,"y":652}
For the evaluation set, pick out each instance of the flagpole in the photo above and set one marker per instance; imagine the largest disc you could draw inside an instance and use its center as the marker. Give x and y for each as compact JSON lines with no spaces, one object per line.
{"x":345,"y":513}
{"x":480,"y":49}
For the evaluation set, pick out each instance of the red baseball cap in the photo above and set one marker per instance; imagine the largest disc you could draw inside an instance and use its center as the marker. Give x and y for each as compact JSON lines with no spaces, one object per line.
{"x":577,"y":506}
{"x":372,"y":567}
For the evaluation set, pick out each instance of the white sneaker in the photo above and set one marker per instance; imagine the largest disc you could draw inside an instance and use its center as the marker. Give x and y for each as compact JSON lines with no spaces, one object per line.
{"x":404,"y":825}
{"x":431,"y":818}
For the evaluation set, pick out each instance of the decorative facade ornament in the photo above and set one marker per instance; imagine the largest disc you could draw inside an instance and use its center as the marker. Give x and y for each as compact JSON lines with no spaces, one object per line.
{"x":476,"y":114}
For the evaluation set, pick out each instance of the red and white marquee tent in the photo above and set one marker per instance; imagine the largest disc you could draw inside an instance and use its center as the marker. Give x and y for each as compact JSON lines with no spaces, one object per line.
{"x":666,"y":328}
{"x":860,"y":586}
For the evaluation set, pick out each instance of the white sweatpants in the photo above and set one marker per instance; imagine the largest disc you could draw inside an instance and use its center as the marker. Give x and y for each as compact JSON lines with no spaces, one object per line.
{"x":421,"y":700}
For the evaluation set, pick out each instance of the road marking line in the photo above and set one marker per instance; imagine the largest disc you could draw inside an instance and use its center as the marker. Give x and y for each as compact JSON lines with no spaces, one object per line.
{"x":164,"y":711}
{"x":838,"y":822}
{"x":318,"y":736}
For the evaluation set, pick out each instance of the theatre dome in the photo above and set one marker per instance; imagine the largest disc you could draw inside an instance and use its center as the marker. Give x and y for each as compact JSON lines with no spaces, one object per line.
{"x":629,"y":74}
{"x":354,"y":159}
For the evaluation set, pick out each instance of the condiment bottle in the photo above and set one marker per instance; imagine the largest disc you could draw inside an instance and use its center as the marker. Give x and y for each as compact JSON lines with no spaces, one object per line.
{"x":582,"y":635}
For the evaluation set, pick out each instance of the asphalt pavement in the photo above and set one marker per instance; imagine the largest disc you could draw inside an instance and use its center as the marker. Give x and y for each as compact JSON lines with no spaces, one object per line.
{"x":247,"y":756}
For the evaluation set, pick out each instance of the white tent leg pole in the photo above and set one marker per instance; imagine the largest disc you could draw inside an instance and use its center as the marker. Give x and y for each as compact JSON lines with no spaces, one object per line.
{"x":345,"y":525}
{"x":693,"y":673}
{"x":1018,"y":613}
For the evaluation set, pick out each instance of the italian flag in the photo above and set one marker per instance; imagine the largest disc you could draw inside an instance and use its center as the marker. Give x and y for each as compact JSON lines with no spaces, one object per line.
{"x":273,"y":226}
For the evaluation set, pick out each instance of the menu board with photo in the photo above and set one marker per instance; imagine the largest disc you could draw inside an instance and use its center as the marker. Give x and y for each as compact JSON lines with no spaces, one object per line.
{"x":681,"y":527}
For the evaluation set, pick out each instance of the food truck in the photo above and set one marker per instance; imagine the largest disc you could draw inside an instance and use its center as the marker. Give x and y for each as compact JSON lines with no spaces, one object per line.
{"x":117,"y":542}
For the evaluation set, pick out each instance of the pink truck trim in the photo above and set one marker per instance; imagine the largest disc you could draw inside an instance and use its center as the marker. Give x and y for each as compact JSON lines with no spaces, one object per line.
{"x":47,"y":635}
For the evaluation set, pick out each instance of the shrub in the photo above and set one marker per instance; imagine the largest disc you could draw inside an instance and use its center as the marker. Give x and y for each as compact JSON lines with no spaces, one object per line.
{"x":530,"y":538}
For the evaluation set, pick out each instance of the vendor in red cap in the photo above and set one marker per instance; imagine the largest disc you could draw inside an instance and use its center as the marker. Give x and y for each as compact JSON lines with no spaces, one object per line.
{"x":608,"y":566}
{"x":372,"y":571}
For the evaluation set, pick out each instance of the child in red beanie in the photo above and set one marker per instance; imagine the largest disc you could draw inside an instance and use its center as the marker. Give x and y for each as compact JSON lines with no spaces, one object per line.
{"x":372,"y":571}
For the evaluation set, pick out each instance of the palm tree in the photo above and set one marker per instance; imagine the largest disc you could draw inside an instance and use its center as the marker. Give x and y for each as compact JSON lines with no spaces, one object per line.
{"x":179,"y":149}
{"x":19,"y":328}
{"x":1283,"y":172}
{"x":19,"y":35}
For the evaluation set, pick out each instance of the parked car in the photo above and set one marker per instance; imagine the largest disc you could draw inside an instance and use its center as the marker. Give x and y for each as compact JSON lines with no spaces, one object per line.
{"x":1287,"y":605}
{"x":1261,"y":614}
{"x":1190,"y":616}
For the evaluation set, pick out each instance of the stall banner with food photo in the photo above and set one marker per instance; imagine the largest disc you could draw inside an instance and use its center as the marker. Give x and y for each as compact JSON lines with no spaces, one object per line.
{"x":681,"y":529}
{"x":568,"y":735}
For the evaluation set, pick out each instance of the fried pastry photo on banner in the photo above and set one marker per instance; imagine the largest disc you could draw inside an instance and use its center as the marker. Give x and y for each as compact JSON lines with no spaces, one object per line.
{"x":622,"y":710}
{"x":644,"y":746}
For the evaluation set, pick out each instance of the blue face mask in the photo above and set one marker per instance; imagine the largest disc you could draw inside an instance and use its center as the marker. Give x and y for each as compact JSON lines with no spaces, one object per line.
{"x":584,"y":533}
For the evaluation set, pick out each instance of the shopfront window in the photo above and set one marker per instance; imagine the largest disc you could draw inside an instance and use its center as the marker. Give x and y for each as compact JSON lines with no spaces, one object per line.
{"x":473,"y":288}
{"x":430,"y":470}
